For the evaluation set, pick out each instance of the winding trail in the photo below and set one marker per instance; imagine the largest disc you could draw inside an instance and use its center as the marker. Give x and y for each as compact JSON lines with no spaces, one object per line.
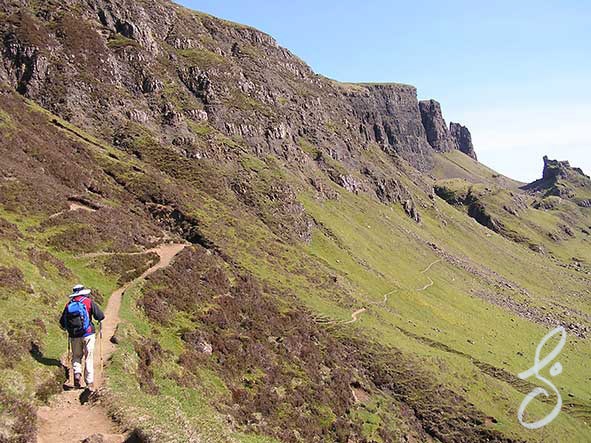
{"x":428,"y":285}
{"x":429,"y":267}
{"x":74,"y":206}
{"x":355,"y":315}
{"x":386,"y":295}
{"x":69,"y":417}
{"x":166,"y":253}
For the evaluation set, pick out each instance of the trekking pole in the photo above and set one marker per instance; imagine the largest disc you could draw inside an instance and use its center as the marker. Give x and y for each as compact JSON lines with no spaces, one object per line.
{"x":69,"y":367}
{"x":101,"y":349}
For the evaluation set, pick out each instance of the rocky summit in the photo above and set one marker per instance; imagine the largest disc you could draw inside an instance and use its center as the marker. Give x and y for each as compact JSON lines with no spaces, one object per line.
{"x":281,"y":257}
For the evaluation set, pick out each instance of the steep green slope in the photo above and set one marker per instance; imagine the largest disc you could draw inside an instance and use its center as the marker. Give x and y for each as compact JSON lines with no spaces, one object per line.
{"x":452,"y":318}
{"x":456,"y":164}
{"x":550,"y":216}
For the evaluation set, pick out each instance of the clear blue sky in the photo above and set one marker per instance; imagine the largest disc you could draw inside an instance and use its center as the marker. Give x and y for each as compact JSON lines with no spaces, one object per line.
{"x":517,"y":73}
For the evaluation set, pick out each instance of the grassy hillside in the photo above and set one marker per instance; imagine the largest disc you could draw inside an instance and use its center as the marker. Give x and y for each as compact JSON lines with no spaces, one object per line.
{"x":260,"y":329}
{"x":453,"y":320}
{"x":456,"y":164}
{"x":542,"y":221}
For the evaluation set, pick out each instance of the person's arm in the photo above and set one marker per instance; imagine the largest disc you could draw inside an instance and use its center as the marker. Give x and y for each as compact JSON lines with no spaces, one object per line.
{"x":96,"y":312}
{"x":63,"y":320}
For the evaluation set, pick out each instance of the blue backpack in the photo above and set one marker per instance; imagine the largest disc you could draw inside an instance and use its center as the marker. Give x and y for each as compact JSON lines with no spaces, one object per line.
{"x":77,"y":318}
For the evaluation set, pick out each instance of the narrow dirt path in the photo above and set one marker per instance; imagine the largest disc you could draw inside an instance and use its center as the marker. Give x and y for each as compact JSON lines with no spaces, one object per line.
{"x":166,"y":253}
{"x":429,"y":267}
{"x":74,"y":207}
{"x":386,"y":295}
{"x":79,"y":206}
{"x":428,"y":285}
{"x":356,"y":314}
{"x":70,"y":418}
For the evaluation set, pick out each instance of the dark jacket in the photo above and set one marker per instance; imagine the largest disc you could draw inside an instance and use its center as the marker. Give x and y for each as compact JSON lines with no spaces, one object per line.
{"x":94,"y":313}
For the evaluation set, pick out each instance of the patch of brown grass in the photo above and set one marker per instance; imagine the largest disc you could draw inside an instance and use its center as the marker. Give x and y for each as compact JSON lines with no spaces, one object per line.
{"x":8,"y":231}
{"x":110,"y":229}
{"x":129,"y":267}
{"x":148,"y":351}
{"x":43,"y":259}
{"x":12,"y":278}
{"x":18,"y":418}
{"x":12,"y":349}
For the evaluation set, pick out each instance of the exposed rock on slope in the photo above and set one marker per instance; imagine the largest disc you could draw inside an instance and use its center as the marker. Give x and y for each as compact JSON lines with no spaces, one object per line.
{"x":178,"y":74}
{"x":561,"y":180}
{"x":389,"y":116}
{"x":442,"y":139}
{"x":437,"y":133}
{"x":463,"y":139}
{"x":555,"y":170}
{"x":553,"y":211}
{"x":560,"y":186}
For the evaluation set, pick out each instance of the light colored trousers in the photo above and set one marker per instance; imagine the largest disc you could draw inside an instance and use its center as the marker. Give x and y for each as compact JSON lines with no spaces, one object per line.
{"x":83,"y":347}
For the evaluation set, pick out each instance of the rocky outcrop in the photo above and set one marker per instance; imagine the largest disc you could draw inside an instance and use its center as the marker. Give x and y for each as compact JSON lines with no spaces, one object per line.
{"x":442,"y":139}
{"x":436,"y":130}
{"x":472,"y":202}
{"x":560,"y":179}
{"x":171,"y":63}
{"x":463,"y":139}
{"x":555,"y":170}
{"x":389,"y":115}
{"x":25,"y":64}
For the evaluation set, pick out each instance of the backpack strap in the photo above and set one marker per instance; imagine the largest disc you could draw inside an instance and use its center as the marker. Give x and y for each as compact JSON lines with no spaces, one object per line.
{"x":88,"y":311}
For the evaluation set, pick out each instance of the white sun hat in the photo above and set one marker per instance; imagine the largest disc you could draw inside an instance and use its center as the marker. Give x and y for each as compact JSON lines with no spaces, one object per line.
{"x":81,"y":292}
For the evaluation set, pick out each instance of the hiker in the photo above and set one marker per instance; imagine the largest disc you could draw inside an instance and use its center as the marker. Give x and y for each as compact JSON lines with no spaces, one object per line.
{"x":77,"y":319}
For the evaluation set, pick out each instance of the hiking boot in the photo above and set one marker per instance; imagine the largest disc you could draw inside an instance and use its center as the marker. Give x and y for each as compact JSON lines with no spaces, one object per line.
{"x":77,"y":383}
{"x":90,"y":387}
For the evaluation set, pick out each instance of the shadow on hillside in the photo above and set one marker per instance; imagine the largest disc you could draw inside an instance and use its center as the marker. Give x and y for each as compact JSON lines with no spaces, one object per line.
{"x":134,"y":437}
{"x":86,"y":395}
{"x":38,"y":355}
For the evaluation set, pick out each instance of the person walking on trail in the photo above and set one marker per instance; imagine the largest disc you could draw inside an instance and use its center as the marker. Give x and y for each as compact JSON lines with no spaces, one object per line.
{"x":77,"y":319}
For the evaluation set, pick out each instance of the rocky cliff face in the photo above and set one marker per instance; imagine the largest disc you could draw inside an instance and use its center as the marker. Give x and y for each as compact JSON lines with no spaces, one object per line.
{"x":463,"y":139}
{"x":442,"y":139}
{"x":389,"y":116}
{"x":437,"y":133}
{"x":172,"y":71}
{"x":555,"y":170}
{"x":560,"y":179}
